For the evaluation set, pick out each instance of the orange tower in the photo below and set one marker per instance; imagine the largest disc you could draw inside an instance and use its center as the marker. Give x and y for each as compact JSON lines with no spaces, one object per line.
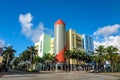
{"x":59,"y":42}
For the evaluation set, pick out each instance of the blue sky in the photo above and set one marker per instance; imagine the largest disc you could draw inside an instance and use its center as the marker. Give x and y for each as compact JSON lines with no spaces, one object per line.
{"x":92,"y":17}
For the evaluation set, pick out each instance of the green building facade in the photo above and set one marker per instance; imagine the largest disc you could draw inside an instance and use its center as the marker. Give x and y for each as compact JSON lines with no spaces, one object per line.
{"x":46,"y":43}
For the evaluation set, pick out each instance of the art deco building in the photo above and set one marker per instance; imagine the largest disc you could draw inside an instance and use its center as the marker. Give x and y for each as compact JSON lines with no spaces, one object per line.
{"x":44,"y":45}
{"x":73,"y":40}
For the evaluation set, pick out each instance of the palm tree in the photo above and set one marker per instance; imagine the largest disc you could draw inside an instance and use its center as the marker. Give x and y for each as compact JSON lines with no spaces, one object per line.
{"x":84,"y":58}
{"x":67,"y":56}
{"x":8,"y":54}
{"x":52,"y":61}
{"x":78,"y":55}
{"x":100,"y":50}
{"x":25,"y":55}
{"x":38,"y":62}
{"x":118,"y":63}
{"x":37,"y":59}
{"x":95,"y":59}
{"x":15,"y":63}
{"x":73,"y":58}
{"x":101,"y":55}
{"x":49,"y":58}
{"x":32,"y":52}
{"x":112,"y":56}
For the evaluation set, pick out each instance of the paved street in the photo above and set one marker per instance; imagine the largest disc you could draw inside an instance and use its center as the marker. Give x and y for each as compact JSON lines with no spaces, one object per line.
{"x":58,"y":76}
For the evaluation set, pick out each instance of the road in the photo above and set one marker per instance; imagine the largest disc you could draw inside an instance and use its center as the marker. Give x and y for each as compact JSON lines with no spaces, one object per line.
{"x":16,"y":75}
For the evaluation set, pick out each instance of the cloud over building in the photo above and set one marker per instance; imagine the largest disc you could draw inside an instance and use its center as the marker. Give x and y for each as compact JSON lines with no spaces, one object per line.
{"x":110,"y":36}
{"x":28,"y":28}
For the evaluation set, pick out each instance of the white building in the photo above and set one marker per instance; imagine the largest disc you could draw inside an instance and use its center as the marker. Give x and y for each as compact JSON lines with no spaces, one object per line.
{"x":44,"y":44}
{"x":88,"y":43}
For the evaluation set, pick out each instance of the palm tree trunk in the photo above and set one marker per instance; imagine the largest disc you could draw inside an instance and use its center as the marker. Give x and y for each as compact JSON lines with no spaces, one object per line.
{"x":50,"y":66}
{"x":74,"y":67}
{"x":7,"y":58}
{"x":104,"y":66}
{"x":69,"y":65}
{"x":115,"y":67}
{"x":65,"y":66}
{"x":77,"y":64}
{"x":53,"y":66}
{"x":112,"y":66}
{"x":31,"y":61}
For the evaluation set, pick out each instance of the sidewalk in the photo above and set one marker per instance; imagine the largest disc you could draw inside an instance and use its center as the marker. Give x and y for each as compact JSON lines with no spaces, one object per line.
{"x":112,"y":74}
{"x":3,"y":73}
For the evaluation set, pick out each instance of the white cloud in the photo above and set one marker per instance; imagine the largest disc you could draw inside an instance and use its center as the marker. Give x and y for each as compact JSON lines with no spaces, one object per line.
{"x":28,"y":31}
{"x":107,"y":30}
{"x":37,"y":32}
{"x":25,"y":20}
{"x":111,"y":40}
{"x":2,"y":43}
{"x":110,"y":36}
